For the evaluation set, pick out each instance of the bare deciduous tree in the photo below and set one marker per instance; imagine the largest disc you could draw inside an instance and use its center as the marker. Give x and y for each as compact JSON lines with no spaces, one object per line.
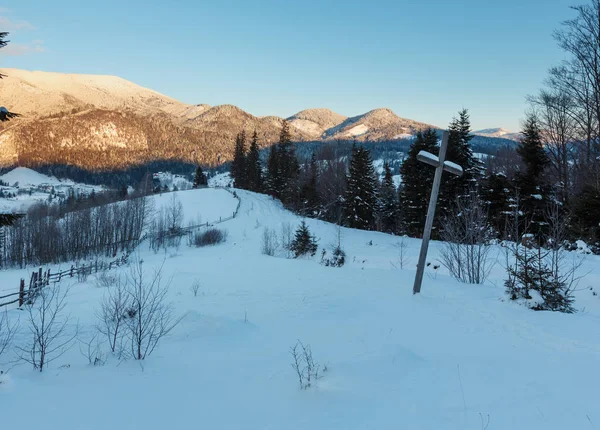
{"x":466,"y":234}
{"x":269,"y":243}
{"x":51,"y":333}
{"x":7,"y":332}
{"x":150,"y":317}
{"x":112,"y":314}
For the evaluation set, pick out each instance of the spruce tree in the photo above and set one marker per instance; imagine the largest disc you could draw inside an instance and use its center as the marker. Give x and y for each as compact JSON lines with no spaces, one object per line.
{"x":200,"y":178}
{"x":272,"y":179}
{"x":304,"y":242}
{"x":5,"y":115}
{"x":532,"y":184}
{"x":495,"y":191}
{"x":388,"y":204}
{"x":288,"y":167}
{"x":360,"y":200}
{"x":253,"y":167}
{"x":459,"y":151}
{"x":238,"y":165}
{"x":309,"y":194}
{"x":417,"y":180}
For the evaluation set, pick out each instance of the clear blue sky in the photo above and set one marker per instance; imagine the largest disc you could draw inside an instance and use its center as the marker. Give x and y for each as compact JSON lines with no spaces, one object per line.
{"x":424,"y":59}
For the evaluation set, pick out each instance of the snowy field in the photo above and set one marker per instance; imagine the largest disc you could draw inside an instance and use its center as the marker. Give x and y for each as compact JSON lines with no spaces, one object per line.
{"x":445,"y":359}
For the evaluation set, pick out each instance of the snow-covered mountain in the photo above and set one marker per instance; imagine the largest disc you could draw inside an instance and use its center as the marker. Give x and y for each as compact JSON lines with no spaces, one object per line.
{"x":498,"y":132}
{"x":105,"y":122}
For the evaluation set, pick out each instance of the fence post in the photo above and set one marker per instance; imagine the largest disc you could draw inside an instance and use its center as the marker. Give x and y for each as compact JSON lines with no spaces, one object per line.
{"x":21,"y":292}
{"x":72,"y":271}
{"x":40,"y":274}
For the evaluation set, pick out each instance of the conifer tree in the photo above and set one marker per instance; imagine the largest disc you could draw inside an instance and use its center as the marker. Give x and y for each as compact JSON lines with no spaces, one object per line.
{"x":417,"y":181}
{"x":253,"y":167}
{"x":5,"y":115}
{"x":360,"y":200}
{"x":238,"y":165}
{"x":533,"y":187}
{"x":495,"y":191}
{"x":388,"y":204}
{"x":200,"y":178}
{"x":460,"y":152}
{"x":309,"y":193}
{"x":304,"y":243}
{"x":272,"y":179}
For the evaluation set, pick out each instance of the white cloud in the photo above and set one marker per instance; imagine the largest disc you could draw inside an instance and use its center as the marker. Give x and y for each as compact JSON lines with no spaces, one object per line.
{"x":18,"y":49}
{"x":8,"y":25}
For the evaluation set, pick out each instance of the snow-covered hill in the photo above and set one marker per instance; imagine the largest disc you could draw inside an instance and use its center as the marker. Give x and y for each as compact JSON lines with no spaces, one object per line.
{"x":25,"y":187}
{"x":498,"y":132}
{"x":450,"y":358}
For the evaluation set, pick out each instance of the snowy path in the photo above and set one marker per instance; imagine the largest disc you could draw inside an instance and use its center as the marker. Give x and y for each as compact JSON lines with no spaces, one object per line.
{"x":394,"y":360}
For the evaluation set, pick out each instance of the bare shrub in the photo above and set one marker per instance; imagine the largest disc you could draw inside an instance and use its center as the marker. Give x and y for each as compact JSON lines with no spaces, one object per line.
{"x":112,"y":314}
{"x":269,"y":244}
{"x":212,"y":236}
{"x":149,"y":317}
{"x":307,"y":370}
{"x":92,"y":350}
{"x":402,"y":247}
{"x":286,"y":238}
{"x":466,"y":235}
{"x":105,"y":279}
{"x":49,"y":328}
{"x":195,"y":287}
{"x":7,"y":332}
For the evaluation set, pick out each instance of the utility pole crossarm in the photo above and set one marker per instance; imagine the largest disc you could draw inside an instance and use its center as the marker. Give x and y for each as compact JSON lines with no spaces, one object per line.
{"x":433,"y":160}
{"x":440,"y":165}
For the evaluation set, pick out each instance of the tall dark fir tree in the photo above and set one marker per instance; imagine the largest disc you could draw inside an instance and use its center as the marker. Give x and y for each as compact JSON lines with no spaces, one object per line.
{"x":200,"y":179}
{"x":253,"y":166}
{"x":388,"y":202}
{"x":361,"y":199}
{"x":283,"y":169}
{"x":5,"y":114}
{"x":532,"y":184}
{"x":417,"y":180}
{"x":309,"y":194}
{"x":238,"y":165}
{"x":460,"y":152}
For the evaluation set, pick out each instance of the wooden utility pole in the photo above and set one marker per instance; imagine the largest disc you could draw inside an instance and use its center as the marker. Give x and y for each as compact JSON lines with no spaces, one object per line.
{"x":440,"y":164}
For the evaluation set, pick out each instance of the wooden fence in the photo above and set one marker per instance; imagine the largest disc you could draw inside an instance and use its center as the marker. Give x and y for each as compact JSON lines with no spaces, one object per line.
{"x":42,"y":278}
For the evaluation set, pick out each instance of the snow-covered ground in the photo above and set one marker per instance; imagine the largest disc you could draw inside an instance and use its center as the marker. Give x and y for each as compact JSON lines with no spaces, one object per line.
{"x":26,"y":187}
{"x":445,"y":359}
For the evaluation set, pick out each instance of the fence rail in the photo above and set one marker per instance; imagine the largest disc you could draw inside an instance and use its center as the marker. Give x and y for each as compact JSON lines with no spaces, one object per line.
{"x":42,"y":278}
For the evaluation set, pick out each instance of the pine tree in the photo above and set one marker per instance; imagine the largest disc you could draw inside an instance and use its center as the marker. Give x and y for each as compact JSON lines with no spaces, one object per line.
{"x":5,"y":115}
{"x":495,"y":191}
{"x":273,"y":180}
{"x":304,"y":242}
{"x":388,"y":205}
{"x":200,"y":178}
{"x":253,"y":167}
{"x":533,"y":187}
{"x":531,"y":149}
{"x":459,"y":151}
{"x":309,"y":194}
{"x":360,"y":201}
{"x":238,"y":165}
{"x":417,"y":180}
{"x":283,"y":169}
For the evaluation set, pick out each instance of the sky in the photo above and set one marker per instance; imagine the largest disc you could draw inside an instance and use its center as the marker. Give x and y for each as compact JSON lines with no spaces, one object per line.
{"x":423,"y":59}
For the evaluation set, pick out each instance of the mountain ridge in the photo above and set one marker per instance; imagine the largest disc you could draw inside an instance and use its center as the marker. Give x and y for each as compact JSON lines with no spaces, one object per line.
{"x":103,"y":121}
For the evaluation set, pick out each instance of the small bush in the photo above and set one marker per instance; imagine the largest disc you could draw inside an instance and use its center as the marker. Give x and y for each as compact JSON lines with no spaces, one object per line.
{"x":304,"y":242}
{"x":106,"y":279}
{"x":337,"y":259}
{"x":212,"y":236}
{"x":269,"y":243}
